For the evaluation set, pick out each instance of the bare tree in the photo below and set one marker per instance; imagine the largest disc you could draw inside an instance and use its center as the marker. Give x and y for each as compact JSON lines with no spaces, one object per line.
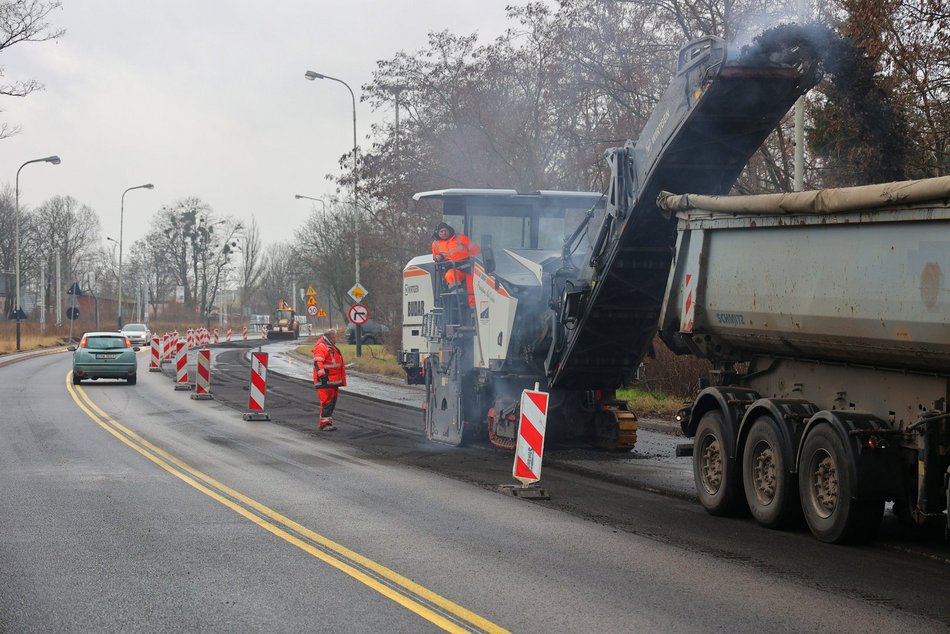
{"x":252,"y":264}
{"x":23,"y":21}
{"x":277,"y":275}
{"x":60,"y":225}
{"x":324,"y":245}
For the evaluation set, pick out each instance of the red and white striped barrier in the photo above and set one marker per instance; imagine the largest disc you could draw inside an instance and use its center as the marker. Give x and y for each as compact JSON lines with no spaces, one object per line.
{"x":245,"y":333}
{"x":530,"y":445}
{"x":258,"y":388}
{"x":228,"y":335}
{"x":203,"y":379}
{"x":166,"y":348}
{"x":155,"y":363}
{"x":217,"y":337}
{"x":190,"y":338}
{"x":172,"y":345}
{"x":181,"y":367}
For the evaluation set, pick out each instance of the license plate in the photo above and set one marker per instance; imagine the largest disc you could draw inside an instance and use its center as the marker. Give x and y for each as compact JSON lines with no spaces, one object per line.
{"x":106,"y":356}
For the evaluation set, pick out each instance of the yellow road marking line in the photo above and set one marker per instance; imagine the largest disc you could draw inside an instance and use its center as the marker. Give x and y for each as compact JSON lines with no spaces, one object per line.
{"x":191,"y":476}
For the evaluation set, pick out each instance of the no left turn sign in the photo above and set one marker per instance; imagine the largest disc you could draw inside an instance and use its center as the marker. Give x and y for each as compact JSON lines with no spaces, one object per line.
{"x":358,"y":314}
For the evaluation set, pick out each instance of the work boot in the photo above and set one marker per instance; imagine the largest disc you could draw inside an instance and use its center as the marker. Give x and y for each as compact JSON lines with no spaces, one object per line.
{"x":326,"y":424}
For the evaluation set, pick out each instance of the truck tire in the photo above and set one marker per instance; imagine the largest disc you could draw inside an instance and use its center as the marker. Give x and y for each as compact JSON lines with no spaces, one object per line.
{"x":826,"y":492}
{"x":770,"y":490}
{"x":716,"y":475}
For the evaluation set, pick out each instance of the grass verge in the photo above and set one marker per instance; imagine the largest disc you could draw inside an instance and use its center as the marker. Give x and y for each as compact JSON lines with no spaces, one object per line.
{"x":375,"y":359}
{"x":646,"y":403}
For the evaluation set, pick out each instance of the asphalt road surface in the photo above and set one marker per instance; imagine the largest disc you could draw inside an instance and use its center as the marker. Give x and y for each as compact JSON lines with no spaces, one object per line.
{"x":129,"y":508}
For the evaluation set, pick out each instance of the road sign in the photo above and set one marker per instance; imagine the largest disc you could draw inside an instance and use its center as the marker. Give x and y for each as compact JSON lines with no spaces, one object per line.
{"x":72,"y":312}
{"x":358,"y":292}
{"x":312,"y":310}
{"x":358,"y":314}
{"x":530,"y":447}
{"x":17,"y":314}
{"x":74,"y":289}
{"x":311,"y":301}
{"x":321,"y":313}
{"x":310,"y":291}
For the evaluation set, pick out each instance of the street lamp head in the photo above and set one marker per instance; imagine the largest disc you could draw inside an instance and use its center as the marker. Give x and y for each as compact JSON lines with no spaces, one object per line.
{"x":53,"y":159}
{"x":298,"y":196}
{"x":149,"y":186}
{"x":311,"y":75}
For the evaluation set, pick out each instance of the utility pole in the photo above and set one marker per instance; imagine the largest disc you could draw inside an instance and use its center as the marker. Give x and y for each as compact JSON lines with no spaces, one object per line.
{"x":59,"y":292}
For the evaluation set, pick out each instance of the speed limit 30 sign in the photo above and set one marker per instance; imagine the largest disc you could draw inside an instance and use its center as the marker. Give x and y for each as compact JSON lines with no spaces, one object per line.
{"x":358,"y":314}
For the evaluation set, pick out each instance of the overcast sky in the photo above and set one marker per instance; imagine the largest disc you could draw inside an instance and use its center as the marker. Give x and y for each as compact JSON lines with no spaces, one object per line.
{"x":208,"y":98}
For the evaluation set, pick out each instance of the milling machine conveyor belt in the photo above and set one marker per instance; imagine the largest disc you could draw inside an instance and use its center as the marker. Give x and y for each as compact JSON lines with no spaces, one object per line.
{"x":712,"y":118}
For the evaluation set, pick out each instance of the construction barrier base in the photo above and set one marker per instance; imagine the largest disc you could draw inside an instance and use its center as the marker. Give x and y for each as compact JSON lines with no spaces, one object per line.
{"x":154,"y":369}
{"x":184,"y":386}
{"x":531,"y":492}
{"x":202,"y":397}
{"x":256,"y":416}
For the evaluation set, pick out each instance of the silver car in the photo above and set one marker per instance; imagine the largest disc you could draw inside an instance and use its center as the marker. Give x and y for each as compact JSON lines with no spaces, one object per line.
{"x":138,"y":334}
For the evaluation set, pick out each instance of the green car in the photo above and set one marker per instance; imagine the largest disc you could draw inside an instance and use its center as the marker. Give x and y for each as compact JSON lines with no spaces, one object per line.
{"x":104,"y":355}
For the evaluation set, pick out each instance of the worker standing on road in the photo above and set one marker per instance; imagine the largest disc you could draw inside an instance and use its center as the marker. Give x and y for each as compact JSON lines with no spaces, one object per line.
{"x":329,"y":375}
{"x":456,"y":248}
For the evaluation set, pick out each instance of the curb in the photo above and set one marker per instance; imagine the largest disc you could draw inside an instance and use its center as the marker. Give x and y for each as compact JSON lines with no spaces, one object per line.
{"x":15,"y":357}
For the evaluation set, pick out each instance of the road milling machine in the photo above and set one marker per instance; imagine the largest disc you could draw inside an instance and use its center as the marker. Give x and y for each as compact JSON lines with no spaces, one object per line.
{"x":569,"y":286}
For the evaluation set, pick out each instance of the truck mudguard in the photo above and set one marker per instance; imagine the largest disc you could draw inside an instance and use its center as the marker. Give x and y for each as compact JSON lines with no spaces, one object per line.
{"x":731,"y":401}
{"x":789,"y":414}
{"x":874,"y":452}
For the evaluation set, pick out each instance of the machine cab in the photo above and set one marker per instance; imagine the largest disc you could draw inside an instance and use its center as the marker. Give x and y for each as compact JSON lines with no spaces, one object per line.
{"x":517,"y":233}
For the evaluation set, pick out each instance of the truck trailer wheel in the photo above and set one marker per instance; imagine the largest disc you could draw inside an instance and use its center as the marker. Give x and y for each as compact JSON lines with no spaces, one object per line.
{"x":716,"y":475}
{"x":826,"y":490}
{"x":770,"y":490}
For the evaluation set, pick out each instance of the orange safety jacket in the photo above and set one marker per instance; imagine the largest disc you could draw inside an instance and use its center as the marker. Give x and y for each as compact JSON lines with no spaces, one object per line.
{"x":328,"y":361}
{"x":456,"y":247}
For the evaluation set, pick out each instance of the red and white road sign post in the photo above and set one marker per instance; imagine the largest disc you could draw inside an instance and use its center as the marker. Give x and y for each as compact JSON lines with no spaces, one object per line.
{"x":181,"y":366}
{"x":258,"y":388}
{"x":155,"y":364}
{"x":203,"y":380}
{"x":228,"y":335}
{"x":530,"y":446}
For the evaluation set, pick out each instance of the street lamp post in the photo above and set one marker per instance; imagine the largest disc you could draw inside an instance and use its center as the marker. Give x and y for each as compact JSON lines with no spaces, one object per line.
{"x":121,"y":223}
{"x":17,"y":310}
{"x":319,"y":200}
{"x":311,"y":75}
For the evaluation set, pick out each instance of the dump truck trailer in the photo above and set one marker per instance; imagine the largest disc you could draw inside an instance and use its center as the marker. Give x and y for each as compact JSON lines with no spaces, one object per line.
{"x":826,"y":316}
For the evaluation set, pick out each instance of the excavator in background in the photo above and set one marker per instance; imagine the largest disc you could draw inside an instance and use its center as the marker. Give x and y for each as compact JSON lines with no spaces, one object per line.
{"x":284,"y":324}
{"x":570,"y":285}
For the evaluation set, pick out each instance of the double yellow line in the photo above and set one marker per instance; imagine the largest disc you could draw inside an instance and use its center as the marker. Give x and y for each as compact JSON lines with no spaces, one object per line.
{"x":410,"y":595}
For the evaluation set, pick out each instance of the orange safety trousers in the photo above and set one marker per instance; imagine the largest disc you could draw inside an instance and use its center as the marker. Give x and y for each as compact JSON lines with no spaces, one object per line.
{"x":458,"y":276}
{"x":327,"y":396}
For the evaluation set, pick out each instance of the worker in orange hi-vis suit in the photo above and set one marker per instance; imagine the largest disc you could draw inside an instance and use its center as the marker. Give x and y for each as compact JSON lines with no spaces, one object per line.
{"x":329,"y":375}
{"x":456,"y":248}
